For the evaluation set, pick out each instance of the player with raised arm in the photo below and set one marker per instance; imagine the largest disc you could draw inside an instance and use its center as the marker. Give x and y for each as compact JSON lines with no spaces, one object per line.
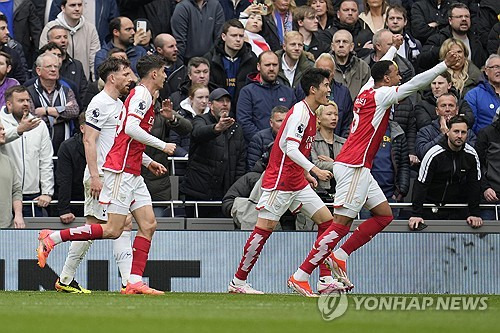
{"x":355,"y":185}
{"x":286,"y":184}
{"x":123,"y":188}
{"x":101,"y":121}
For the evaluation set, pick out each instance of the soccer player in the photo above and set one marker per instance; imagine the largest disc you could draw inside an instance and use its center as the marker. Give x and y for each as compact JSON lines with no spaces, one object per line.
{"x":355,"y":185}
{"x":102,"y":118}
{"x":286,"y":183}
{"x":123,"y":188}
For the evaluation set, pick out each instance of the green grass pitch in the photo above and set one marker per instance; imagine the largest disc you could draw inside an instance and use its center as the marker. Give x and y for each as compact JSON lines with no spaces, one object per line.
{"x":52,"y":312}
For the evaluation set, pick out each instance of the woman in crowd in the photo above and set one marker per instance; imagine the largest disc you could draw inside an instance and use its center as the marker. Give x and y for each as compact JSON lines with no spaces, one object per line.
{"x":196,"y":103}
{"x":251,"y":18}
{"x":374,"y":14}
{"x":464,"y":74}
{"x":324,"y":11}
{"x":277,"y":22}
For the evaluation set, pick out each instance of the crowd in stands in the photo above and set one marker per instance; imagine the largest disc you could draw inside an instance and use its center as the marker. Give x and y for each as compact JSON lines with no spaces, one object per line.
{"x":233,"y":70}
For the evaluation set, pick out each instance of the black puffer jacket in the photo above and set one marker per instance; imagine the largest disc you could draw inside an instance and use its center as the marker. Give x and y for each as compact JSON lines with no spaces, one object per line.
{"x":400,"y":160}
{"x":216,"y":160}
{"x":404,"y":115}
{"x":488,"y":149}
{"x":447,"y":177}
{"x":424,"y":12}
{"x":487,"y":17}
{"x":248,"y":64}
{"x":494,"y":39}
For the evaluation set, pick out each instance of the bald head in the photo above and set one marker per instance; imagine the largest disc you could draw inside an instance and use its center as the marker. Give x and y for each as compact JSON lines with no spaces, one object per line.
{"x":166,"y":46}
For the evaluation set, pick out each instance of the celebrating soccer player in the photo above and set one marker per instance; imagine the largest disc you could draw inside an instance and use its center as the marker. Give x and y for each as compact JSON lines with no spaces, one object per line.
{"x":123,"y":188}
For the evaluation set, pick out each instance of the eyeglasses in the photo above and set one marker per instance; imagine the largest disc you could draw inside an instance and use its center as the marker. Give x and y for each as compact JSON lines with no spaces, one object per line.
{"x":494,"y":67}
{"x":460,"y":16}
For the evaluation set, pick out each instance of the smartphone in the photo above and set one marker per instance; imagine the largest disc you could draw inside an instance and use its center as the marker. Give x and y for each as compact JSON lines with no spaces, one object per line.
{"x":141,"y":25}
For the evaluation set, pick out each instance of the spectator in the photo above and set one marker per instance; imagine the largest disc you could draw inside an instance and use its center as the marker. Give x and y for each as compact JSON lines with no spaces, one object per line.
{"x":449,"y":173}
{"x":487,"y":18}
{"x":464,"y":75}
{"x":27,"y":29}
{"x":326,"y":144}
{"x":425,"y":109}
{"x":324,"y":12}
{"x":494,"y":39}
{"x":251,"y":19}
{"x":196,"y":26}
{"x":260,"y":142}
{"x":198,"y":71}
{"x":166,"y":46}
{"x":382,"y":41}
{"x":144,"y":38}
{"x":459,"y":29}
{"x":11,"y":196}
{"x":397,"y":21}
{"x":217,"y":154}
{"x":159,"y":186}
{"x":391,"y":167}
{"x":98,"y":14}
{"x":122,"y":30}
{"x":278,"y":22}
{"x":157,"y":12}
{"x":231,"y":60}
{"x":348,"y":19}
{"x":5,"y":82}
{"x":233,"y":9}
{"x":374,"y":15}
{"x":428,"y":17}
{"x":487,"y":145}
{"x":195,"y":104}
{"x":339,"y":94}
{"x":484,"y":99}
{"x":71,"y":69}
{"x":293,"y":60}
{"x":428,"y":136}
{"x":18,"y":65}
{"x":69,"y":175}
{"x":305,"y":19}
{"x":84,"y":42}
{"x":29,"y":147}
{"x":261,"y":95}
{"x":350,"y":70}
{"x":55,"y":103}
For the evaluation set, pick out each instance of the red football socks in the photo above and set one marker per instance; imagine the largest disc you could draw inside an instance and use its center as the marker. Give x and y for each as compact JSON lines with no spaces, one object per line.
{"x":140,"y":252}
{"x":323,"y":246}
{"x":323,"y":270}
{"x":83,"y":233}
{"x":365,"y":232}
{"x":251,"y":252}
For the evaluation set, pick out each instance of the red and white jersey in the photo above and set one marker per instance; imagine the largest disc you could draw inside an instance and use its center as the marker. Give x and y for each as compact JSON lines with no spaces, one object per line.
{"x":126,"y":153}
{"x":281,"y":172}
{"x":371,"y":110}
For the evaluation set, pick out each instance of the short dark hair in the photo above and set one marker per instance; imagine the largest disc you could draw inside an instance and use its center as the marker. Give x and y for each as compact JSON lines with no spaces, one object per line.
{"x":458,"y":119}
{"x":232,"y":23}
{"x":279,"y":109}
{"x":457,"y":5}
{"x":111,"y":65}
{"x":64,"y":2}
{"x":114,"y":50}
{"x":55,"y":27}
{"x":380,"y":69}
{"x":447,"y":76}
{"x":14,"y":89}
{"x":115,"y":24}
{"x":259,"y":58}
{"x":196,"y":62}
{"x":397,"y":8}
{"x":313,"y":77}
{"x":3,"y":18}
{"x":8,"y":58}
{"x":148,"y":63}
{"x":50,"y":46}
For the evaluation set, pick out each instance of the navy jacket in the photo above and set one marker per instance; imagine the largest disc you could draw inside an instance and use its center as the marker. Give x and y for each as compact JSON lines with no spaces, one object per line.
{"x":231,"y":11}
{"x":258,"y":145}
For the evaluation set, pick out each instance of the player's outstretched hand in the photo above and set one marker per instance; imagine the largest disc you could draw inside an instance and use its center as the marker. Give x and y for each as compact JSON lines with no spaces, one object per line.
{"x":474,"y":221}
{"x":157,"y":169}
{"x":323,"y":175}
{"x":397,"y":40}
{"x":451,"y":59}
{"x":169,"y":148}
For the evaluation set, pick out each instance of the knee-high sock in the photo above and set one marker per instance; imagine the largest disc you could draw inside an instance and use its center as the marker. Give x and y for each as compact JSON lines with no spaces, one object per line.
{"x":323,"y":246}
{"x":82,"y":233}
{"x":76,"y":253}
{"x":139,"y":258}
{"x":122,"y":250}
{"x":323,"y":270}
{"x":251,"y":252}
{"x":365,"y":232}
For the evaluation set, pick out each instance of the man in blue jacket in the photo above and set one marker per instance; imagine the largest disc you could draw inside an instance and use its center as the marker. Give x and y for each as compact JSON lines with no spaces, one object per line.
{"x":261,"y":95}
